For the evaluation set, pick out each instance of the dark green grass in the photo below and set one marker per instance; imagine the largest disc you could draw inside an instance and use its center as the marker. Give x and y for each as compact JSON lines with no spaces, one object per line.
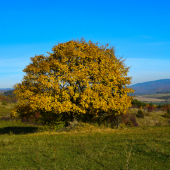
{"x":13,"y":127}
{"x":133,"y":148}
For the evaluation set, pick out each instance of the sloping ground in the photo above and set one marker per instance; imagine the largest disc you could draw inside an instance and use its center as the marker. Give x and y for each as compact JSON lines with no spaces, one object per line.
{"x":154,"y":118}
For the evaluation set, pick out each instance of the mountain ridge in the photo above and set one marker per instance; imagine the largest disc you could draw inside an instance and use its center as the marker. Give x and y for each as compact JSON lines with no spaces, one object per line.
{"x":148,"y":87}
{"x":151,"y":87}
{"x":2,"y":90}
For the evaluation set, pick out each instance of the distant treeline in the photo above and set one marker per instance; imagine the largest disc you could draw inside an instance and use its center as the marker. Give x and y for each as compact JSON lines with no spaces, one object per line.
{"x":10,"y":92}
{"x":162,"y":92}
{"x":137,"y":103}
{"x":164,"y":97}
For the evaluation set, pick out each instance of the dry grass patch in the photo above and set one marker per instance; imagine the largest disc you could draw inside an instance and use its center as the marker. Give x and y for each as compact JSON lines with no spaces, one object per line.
{"x":140,"y":98}
{"x":154,"y":118}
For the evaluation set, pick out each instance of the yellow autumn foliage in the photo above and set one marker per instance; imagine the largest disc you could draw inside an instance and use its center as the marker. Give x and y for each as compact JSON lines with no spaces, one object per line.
{"x":76,"y":78}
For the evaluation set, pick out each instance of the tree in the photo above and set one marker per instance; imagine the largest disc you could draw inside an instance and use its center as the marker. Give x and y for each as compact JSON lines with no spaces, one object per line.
{"x":76,"y":79}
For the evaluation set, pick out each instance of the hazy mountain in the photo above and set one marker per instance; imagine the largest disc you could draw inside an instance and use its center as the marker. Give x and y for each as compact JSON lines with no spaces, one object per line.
{"x":10,"y":92}
{"x":149,"y":87}
{"x":5,"y":89}
{"x":152,"y":87}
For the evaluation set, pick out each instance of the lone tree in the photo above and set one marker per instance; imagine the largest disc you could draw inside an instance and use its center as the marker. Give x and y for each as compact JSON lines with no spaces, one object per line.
{"x":76,"y":79}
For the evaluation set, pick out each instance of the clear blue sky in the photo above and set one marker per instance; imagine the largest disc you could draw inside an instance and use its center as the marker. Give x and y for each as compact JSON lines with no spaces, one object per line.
{"x":139,"y":30}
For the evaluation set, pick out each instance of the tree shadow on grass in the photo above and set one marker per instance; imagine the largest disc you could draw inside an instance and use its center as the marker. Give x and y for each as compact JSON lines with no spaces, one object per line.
{"x":17,"y":130}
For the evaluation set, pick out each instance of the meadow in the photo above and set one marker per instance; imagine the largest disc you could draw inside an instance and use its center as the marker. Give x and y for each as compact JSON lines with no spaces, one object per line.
{"x":85,"y":146}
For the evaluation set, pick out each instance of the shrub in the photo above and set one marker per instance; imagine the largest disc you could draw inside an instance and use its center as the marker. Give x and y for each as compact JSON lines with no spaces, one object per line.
{"x":122,"y":126}
{"x":165,"y":107}
{"x":4,"y":103}
{"x":129,"y":120}
{"x":159,"y":106}
{"x":140,"y":114}
{"x":134,"y":121}
{"x":166,"y":115}
{"x":150,"y":108}
{"x":129,"y":123}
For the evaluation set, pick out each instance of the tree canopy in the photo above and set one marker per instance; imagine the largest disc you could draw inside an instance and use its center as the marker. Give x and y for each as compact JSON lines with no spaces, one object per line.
{"x":76,"y":78}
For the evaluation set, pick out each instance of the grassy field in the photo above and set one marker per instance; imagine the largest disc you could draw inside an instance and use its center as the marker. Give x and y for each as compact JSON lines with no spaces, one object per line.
{"x":147,"y":147}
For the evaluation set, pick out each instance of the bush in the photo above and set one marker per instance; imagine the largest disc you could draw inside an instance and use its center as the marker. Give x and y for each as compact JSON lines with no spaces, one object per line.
{"x":129,"y":120}
{"x":134,"y":121}
{"x":4,"y":103}
{"x":150,"y":108}
{"x":159,"y":106}
{"x":140,"y":114}
{"x":129,"y":124}
{"x":166,"y":115}
{"x":165,"y":107}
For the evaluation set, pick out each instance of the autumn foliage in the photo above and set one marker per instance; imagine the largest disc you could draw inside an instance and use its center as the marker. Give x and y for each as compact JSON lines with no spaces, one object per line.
{"x":8,"y":99}
{"x":77,"y":79}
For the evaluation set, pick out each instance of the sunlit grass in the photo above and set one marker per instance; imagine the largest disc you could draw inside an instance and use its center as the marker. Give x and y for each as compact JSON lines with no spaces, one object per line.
{"x":85,"y":146}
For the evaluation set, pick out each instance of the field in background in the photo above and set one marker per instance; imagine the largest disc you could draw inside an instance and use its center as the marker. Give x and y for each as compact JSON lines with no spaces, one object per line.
{"x":153,"y":98}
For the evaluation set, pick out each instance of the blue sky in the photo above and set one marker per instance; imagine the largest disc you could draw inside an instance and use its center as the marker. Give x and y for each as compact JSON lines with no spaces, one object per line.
{"x":139,"y":31}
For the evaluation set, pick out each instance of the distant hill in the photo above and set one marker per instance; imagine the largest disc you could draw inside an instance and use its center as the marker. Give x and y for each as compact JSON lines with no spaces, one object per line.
{"x":2,"y":90}
{"x":10,"y":92}
{"x":151,"y":87}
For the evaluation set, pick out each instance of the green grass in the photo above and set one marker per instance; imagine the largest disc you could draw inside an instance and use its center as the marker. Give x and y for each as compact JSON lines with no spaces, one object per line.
{"x":24,"y":146}
{"x":84,"y":148}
